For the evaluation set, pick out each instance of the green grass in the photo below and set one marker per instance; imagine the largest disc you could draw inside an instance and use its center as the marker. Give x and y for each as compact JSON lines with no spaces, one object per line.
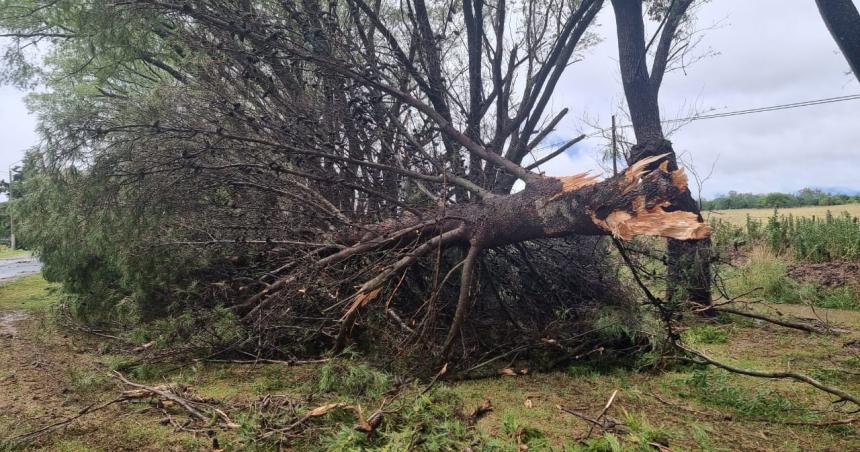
{"x":706,"y":334}
{"x":6,"y":252}
{"x":765,"y":276}
{"x":30,"y":293}
{"x":718,"y":388}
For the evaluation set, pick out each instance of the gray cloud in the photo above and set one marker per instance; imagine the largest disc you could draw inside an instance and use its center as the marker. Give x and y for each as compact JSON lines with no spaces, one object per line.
{"x":769,"y":52}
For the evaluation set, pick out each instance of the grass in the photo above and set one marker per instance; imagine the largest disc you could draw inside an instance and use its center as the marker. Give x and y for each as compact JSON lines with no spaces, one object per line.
{"x":30,"y":293}
{"x":653,"y":407}
{"x":738,"y":217}
{"x":765,"y":276}
{"x":6,"y":252}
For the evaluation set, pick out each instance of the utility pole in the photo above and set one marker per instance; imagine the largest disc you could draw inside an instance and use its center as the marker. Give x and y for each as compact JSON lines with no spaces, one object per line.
{"x":614,"y":150}
{"x":9,"y":209}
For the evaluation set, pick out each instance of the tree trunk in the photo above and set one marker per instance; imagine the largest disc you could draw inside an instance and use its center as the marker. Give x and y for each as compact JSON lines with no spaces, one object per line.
{"x":843,"y":22}
{"x":688,"y":272}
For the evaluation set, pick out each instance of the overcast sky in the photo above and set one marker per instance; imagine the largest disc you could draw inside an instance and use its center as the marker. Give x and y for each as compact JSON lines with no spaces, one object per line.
{"x":770,"y":52}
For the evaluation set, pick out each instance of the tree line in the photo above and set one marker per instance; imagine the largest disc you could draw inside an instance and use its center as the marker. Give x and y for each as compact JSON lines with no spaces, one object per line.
{"x":804,"y":197}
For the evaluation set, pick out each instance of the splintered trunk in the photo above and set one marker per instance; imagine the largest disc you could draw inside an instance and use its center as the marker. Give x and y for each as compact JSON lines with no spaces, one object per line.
{"x":688,"y":272}
{"x":688,"y":269}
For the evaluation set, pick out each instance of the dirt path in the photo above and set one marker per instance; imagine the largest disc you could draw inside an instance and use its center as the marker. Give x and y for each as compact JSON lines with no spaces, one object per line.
{"x":8,"y":320}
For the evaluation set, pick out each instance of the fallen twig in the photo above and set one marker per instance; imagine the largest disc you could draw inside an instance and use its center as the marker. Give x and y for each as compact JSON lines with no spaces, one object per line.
{"x":786,"y":323}
{"x":30,"y":437}
{"x":194,"y":412}
{"x":603,"y":411}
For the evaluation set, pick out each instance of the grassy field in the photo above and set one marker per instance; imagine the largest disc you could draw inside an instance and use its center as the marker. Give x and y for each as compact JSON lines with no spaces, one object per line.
{"x":6,"y":252}
{"x":739,"y":216}
{"x":48,"y":373}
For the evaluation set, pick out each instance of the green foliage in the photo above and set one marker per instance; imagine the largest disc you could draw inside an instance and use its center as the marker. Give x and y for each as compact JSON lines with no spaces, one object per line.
{"x":354,"y":380}
{"x":606,"y":443}
{"x":840,"y":298}
{"x":203,"y":332}
{"x":429,"y":423}
{"x":522,"y":433}
{"x":812,"y":239}
{"x":766,"y":275}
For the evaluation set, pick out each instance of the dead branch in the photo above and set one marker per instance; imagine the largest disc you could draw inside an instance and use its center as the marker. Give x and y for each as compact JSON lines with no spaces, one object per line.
{"x":704,"y":359}
{"x":777,"y":321}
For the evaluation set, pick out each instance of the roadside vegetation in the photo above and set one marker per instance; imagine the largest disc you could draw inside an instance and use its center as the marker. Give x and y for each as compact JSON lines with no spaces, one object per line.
{"x":7,"y":253}
{"x":811,"y":260}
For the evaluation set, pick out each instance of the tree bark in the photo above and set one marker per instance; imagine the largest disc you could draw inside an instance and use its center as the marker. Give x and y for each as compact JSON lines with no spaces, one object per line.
{"x":843,"y":22}
{"x":688,"y":269}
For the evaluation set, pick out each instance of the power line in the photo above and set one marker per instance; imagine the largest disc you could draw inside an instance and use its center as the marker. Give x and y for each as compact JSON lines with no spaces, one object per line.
{"x":748,"y":111}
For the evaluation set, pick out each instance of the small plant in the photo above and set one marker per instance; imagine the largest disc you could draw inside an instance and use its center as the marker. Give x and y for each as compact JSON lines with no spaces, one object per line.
{"x":643,"y":434}
{"x":840,"y":298}
{"x":523,"y":434}
{"x":83,"y":381}
{"x":606,"y":443}
{"x":706,"y":334}
{"x":355,"y":380}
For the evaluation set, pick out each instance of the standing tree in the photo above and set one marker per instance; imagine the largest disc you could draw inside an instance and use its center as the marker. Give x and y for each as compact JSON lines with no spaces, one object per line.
{"x":688,"y":273}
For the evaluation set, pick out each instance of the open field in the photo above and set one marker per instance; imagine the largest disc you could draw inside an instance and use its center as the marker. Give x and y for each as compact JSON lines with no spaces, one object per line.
{"x":739,"y":216}
{"x":48,"y":374}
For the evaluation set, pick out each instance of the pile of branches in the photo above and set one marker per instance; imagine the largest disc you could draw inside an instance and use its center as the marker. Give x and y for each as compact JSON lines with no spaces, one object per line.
{"x":557,"y":299}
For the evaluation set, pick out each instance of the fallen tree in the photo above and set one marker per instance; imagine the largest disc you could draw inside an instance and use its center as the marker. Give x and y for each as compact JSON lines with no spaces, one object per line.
{"x":351,"y":170}
{"x":636,"y":202}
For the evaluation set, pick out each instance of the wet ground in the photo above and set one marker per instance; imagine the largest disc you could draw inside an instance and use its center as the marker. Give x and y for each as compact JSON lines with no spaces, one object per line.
{"x":14,"y":267}
{"x":11,"y":268}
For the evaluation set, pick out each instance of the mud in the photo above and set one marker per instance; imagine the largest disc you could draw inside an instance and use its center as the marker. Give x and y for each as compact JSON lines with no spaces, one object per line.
{"x":8,"y":321}
{"x":828,"y":274}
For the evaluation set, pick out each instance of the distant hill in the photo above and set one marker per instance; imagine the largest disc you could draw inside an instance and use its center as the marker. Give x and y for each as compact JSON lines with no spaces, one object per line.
{"x":804,"y":197}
